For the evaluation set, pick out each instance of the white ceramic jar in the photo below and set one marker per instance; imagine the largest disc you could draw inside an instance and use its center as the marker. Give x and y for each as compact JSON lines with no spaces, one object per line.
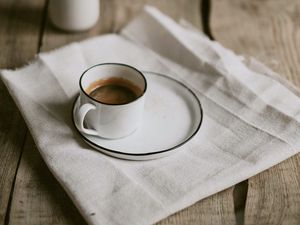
{"x":74,"y":15}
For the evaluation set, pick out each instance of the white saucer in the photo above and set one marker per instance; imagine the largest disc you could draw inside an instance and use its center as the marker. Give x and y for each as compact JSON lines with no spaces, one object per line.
{"x":172,"y":116}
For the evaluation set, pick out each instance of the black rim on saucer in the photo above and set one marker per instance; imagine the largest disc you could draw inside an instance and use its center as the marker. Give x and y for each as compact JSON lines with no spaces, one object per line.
{"x":146,"y":153}
{"x":117,"y":64}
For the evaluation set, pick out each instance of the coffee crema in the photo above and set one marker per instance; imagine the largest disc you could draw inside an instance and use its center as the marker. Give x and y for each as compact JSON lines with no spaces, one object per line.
{"x":114,"y":90}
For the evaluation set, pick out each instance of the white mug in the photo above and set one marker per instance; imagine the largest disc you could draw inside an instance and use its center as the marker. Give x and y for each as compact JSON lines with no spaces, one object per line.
{"x":110,"y":121}
{"x":74,"y":15}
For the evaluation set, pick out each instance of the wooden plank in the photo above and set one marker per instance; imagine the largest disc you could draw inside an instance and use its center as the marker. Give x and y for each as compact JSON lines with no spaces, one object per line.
{"x":269,"y":31}
{"x":114,"y":14}
{"x":274,"y":195}
{"x":19,"y":32}
{"x":214,"y":210}
{"x":125,"y":10}
{"x":44,"y":209}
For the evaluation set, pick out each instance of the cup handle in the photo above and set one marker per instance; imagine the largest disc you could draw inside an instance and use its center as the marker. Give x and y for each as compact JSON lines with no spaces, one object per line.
{"x":81,"y":113}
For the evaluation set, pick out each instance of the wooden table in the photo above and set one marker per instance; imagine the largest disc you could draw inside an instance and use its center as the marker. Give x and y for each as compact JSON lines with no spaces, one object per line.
{"x":268,"y":30}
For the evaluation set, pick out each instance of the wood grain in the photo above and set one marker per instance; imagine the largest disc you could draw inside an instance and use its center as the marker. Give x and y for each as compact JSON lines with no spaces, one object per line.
{"x":19,"y":32}
{"x":38,"y":199}
{"x":125,"y":10}
{"x":217,"y":209}
{"x":114,"y":14}
{"x":270,"y":31}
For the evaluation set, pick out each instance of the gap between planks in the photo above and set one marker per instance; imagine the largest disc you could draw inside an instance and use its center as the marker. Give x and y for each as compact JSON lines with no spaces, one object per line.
{"x":42,"y":26}
{"x":40,"y":37}
{"x":240,"y":190}
{"x":6,"y":219}
{"x":18,"y":38}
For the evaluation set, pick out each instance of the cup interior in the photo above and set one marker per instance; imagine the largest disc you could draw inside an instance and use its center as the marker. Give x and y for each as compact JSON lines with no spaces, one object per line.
{"x":108,"y":70}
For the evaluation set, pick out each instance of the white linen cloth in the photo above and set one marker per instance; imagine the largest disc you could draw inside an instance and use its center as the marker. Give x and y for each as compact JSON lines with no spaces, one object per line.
{"x":251,"y":121}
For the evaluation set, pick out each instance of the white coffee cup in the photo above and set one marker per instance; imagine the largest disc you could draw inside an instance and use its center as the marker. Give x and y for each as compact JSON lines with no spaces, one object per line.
{"x":110,"y":121}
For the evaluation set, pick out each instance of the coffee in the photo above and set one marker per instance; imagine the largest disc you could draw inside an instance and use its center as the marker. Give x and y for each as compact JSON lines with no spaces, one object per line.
{"x":114,"y":90}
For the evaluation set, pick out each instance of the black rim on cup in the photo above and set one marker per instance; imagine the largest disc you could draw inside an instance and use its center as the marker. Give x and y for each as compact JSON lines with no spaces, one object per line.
{"x":116,"y":64}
